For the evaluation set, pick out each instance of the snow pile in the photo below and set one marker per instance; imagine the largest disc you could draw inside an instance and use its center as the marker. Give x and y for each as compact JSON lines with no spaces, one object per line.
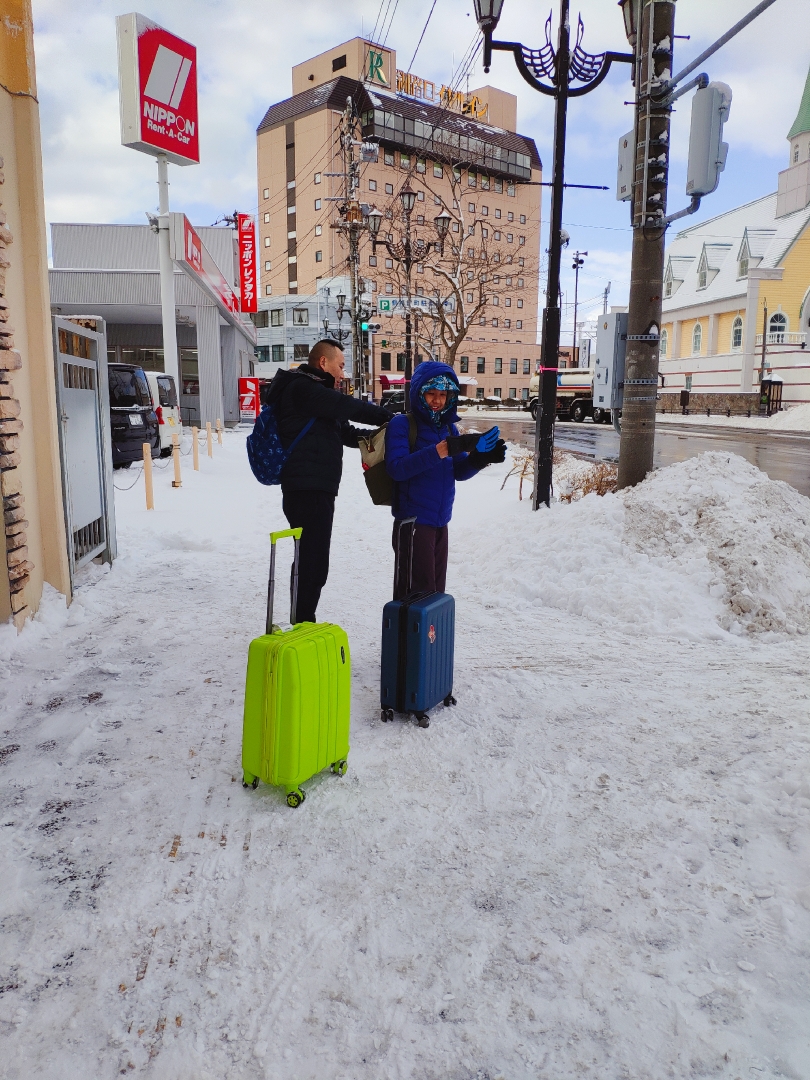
{"x":794,"y":419}
{"x":703,"y":547}
{"x":754,"y":532}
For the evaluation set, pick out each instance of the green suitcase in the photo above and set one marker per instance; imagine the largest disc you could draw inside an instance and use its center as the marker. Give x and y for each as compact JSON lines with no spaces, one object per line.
{"x":297,"y":697}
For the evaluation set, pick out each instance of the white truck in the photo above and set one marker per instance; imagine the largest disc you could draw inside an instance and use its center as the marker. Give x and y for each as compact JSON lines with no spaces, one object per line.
{"x":574,"y":396}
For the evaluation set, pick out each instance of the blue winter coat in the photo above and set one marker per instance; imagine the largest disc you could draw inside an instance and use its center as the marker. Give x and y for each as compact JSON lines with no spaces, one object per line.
{"x":425,"y":484}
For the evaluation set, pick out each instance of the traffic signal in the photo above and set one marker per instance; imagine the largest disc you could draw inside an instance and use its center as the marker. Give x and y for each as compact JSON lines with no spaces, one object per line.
{"x":707,"y":151}
{"x":364,"y":327}
{"x":374,"y":327}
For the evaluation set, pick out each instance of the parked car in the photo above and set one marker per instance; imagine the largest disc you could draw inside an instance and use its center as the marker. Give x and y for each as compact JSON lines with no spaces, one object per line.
{"x":164,"y":401}
{"x":393,"y":400}
{"x":133,"y":420}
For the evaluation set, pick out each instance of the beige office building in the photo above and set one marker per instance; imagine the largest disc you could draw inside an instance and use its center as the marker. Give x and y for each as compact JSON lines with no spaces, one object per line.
{"x":460,"y":153}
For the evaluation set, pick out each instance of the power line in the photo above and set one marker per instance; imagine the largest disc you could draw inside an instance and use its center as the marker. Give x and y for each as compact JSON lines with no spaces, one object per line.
{"x":419,"y":42}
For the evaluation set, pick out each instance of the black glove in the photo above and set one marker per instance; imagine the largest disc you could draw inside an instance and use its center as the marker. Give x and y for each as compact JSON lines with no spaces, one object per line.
{"x":494,"y":457}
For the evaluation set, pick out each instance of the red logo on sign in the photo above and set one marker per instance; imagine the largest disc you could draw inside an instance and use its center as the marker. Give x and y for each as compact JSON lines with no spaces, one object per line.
{"x":432,"y":634}
{"x":247,"y":262}
{"x":248,"y":398}
{"x":167,"y":71}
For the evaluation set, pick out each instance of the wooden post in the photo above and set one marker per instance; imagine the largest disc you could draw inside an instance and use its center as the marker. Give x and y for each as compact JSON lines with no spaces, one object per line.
{"x":195,"y":448}
{"x":219,"y":431}
{"x":177,"y":482}
{"x":209,"y":438}
{"x":147,"y":476}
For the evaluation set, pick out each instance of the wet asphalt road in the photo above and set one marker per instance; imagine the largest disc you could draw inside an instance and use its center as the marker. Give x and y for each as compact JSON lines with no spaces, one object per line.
{"x":782,"y":455}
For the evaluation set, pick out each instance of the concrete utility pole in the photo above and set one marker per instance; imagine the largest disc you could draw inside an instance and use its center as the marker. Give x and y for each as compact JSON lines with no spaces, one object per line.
{"x":656,"y":29}
{"x":351,"y":224}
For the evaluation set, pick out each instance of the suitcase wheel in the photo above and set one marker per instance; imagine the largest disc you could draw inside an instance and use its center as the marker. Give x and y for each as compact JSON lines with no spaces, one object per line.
{"x":450,"y":700}
{"x":422,"y":719}
{"x":250,"y":781}
{"x":386,"y":715}
{"x":295,"y":798}
{"x":339,"y":767}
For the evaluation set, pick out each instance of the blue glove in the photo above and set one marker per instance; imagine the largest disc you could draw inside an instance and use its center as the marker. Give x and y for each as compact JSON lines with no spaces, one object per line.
{"x":487,"y":441}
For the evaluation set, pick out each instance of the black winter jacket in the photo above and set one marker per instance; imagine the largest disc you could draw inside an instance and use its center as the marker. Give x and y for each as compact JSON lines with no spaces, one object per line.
{"x":316,"y":463}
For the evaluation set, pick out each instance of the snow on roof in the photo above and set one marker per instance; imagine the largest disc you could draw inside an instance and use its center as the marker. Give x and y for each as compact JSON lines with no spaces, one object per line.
{"x":769,"y":239}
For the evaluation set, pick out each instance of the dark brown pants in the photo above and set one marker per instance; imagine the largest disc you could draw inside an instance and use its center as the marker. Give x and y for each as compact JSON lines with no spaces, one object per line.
{"x":429,"y":560}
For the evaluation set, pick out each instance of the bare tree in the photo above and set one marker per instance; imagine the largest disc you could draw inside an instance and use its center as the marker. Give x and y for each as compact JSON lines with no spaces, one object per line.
{"x":472,"y":278}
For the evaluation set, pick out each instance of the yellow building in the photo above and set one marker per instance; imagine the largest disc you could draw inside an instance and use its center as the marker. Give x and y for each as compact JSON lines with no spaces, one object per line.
{"x":737,"y":292}
{"x":30,"y":471}
{"x":459,"y":152}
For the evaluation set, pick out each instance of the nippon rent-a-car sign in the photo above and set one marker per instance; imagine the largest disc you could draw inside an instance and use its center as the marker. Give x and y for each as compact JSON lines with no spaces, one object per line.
{"x":246,"y":230}
{"x":157,"y":79}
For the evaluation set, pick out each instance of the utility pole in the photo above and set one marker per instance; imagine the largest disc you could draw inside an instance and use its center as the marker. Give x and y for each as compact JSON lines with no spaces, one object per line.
{"x":605,"y":296}
{"x":575,"y":266}
{"x":352,"y":224}
{"x":655,"y":32}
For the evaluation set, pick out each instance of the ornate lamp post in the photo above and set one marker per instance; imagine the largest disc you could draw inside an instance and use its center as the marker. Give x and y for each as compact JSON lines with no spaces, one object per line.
{"x":408,"y":251}
{"x":570,"y":73}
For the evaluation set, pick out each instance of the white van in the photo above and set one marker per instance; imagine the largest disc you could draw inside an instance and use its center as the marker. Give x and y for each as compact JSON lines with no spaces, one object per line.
{"x":164,"y":399}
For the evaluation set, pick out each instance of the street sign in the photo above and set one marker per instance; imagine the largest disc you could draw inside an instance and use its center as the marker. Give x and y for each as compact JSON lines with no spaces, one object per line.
{"x":157,"y":80}
{"x":390,"y":304}
{"x":249,"y":406}
{"x":246,"y":227}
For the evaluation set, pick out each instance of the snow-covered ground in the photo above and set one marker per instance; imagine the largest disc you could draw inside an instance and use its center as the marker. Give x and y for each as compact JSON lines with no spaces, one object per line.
{"x":597,"y":865}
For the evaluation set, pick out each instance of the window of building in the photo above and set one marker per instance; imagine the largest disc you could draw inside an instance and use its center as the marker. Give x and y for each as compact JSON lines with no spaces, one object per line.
{"x":510,"y":216}
{"x":520,"y":282}
{"x":497,"y":211}
{"x":519,"y":303}
{"x":524,"y":394}
{"x":697,"y":338}
{"x":277,"y":354}
{"x":389,"y":264}
{"x":300,"y":316}
{"x":421,"y":165}
{"x":521,"y":239}
{"x":668,"y":288}
{"x":509,"y":237}
{"x":457,"y":172}
{"x":507,"y":302}
{"x":260,"y":319}
{"x":742,"y":270}
{"x":482,"y":321}
{"x":521,"y":262}
{"x":318,"y":256}
{"x":663,"y":345}
{"x":373,"y":286}
{"x":389,"y":288}
{"x":513,"y":366}
{"x":519,"y":324}
{"x":484,"y":210}
{"x":277,"y":317}
{"x":317,"y":178}
{"x":420,"y":219}
{"x":777,"y":328}
{"x":268,"y":290}
{"x":455,"y":226}
{"x":339,"y":62}
{"x":318,"y":230}
{"x":479,"y":392}
{"x":437,"y":169}
{"x":481,"y":365}
{"x":372,"y":260}
{"x":469,"y":297}
{"x":496,"y":392}
{"x":389,"y":189}
{"x":507,"y":323}
{"x":498,"y":365}
{"x":268,"y":266}
{"x":400,"y":361}
{"x":494,"y":322}
{"x":372,"y":185}
{"x":471,"y":207}
{"x":472,"y":179}
{"x":266,"y":193}
{"x":484,"y":233}
{"x":470,"y":253}
{"x":703,"y":276}
{"x":510,"y":190}
{"x":796,"y":152}
{"x":385,"y":361}
{"x":465,"y":365}
{"x":499,"y":186}
{"x":267,"y":241}
{"x":736,"y":333}
{"x":497,"y":235}
{"x":527,"y":367}
{"x":420,"y":196}
{"x":388,"y":157}
{"x":485,"y":183}
{"x":420,"y":268}
{"x":688,"y":385}
{"x":317,"y":204}
{"x":267,"y":219}
{"x":404,"y":161}
{"x":522,"y":219}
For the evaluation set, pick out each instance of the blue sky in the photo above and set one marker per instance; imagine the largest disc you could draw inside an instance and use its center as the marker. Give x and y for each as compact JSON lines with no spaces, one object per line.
{"x":246,"y":49}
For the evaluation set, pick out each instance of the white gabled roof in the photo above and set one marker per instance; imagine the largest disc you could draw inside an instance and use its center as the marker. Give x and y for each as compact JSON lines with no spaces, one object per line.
{"x":769,"y":239}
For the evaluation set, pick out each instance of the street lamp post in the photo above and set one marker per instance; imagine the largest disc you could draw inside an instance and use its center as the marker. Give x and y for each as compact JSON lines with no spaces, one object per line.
{"x":563,"y":67}
{"x":576,"y":265}
{"x":406,"y":252}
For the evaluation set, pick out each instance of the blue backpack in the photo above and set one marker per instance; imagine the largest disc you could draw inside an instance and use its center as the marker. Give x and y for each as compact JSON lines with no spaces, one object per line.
{"x":266,"y":452}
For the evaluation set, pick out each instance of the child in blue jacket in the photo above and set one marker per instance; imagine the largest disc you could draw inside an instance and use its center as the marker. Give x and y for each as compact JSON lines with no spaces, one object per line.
{"x":425,"y":477}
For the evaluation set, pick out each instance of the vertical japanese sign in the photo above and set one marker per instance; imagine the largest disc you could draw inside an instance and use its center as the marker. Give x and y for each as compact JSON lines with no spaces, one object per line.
{"x":248,"y":398}
{"x":246,"y":228}
{"x":157,"y":78}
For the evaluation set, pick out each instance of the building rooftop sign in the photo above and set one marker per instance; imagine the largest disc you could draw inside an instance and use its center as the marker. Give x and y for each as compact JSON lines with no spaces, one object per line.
{"x":157,"y":79}
{"x":445,"y":96}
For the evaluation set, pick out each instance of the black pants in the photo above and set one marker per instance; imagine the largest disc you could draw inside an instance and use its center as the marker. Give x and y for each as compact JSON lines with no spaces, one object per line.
{"x":313,"y":512}
{"x":429,"y":560}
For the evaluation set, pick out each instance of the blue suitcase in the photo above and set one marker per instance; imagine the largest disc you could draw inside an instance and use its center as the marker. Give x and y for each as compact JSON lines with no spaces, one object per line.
{"x":418,"y":637}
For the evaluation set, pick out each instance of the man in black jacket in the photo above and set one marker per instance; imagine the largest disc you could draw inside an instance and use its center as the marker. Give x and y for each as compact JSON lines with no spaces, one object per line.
{"x":311,"y":476}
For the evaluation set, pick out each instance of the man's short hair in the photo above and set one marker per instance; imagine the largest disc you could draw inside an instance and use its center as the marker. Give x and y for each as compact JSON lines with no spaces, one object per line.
{"x":317,"y":350}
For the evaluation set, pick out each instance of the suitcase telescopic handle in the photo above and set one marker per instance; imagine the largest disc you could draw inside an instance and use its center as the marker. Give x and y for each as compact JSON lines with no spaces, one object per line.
{"x":271,"y":585}
{"x":409,"y":526}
